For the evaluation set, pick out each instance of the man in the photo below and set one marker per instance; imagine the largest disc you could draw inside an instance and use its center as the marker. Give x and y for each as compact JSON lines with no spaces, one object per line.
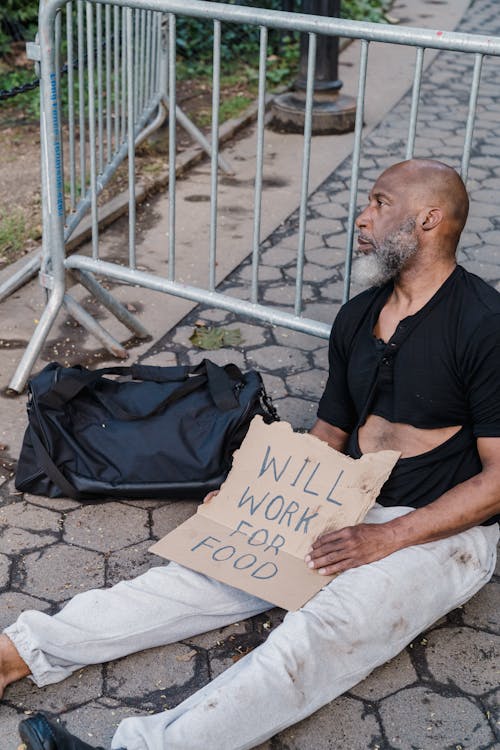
{"x":413,"y":367}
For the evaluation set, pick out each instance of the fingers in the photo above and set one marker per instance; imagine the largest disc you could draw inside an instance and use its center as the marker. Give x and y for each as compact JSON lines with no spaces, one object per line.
{"x":210,"y":496}
{"x":333,"y":552}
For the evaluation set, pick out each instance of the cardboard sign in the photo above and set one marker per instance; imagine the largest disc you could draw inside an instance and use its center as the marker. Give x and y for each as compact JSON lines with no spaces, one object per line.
{"x":284,"y":490}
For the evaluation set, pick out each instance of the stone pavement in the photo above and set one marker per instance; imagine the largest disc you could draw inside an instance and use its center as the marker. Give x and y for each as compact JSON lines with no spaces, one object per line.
{"x":438,"y":694}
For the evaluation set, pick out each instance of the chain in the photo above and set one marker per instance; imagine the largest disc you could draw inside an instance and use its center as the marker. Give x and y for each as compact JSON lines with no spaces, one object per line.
{"x":9,"y":93}
{"x":31,"y":85}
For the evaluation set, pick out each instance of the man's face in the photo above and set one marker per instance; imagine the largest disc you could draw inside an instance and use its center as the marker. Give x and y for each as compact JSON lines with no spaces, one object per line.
{"x":387,"y":238}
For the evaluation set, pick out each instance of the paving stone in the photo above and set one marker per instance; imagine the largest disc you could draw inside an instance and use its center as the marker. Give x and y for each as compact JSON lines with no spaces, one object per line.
{"x":420,"y":719}
{"x":266,"y":273}
{"x":78,"y":688}
{"x":279,"y":256}
{"x":389,"y":678}
{"x":181,"y":336}
{"x":130,"y":562}
{"x":161,"y":359}
{"x":311,"y":272}
{"x":106,"y":527}
{"x":61,"y":504}
{"x":467,"y":658}
{"x":283,"y":296}
{"x":321,"y":311}
{"x":297,"y":340}
{"x":8,"y":727}
{"x":482,"y":610}
{"x":310,"y":384}
{"x":252,"y":335}
{"x":15,"y":540}
{"x":143,"y":504}
{"x":298,"y":412}
{"x":61,"y":571}
{"x":217,"y":637}
{"x":276,"y":358}
{"x":320,"y":226}
{"x":170,"y":515}
{"x":329,"y":256}
{"x":96,"y":722}
{"x":345,"y":723}
{"x":330,"y":210}
{"x":275,"y":386}
{"x":214,"y":316}
{"x":168,"y":668}
{"x":24,"y":516}
{"x":12,"y":603}
{"x":4,"y":571}
{"x":321,"y":359}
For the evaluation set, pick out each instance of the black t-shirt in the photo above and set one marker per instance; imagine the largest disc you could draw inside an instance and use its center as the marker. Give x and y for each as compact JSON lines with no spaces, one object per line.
{"x":440,"y":368}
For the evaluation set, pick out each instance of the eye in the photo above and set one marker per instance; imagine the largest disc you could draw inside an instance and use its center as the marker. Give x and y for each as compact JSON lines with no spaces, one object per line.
{"x":380,"y":202}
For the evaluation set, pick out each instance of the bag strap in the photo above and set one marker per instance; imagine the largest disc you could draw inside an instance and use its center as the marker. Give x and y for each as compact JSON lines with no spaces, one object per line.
{"x":50,"y":468}
{"x":220,"y":383}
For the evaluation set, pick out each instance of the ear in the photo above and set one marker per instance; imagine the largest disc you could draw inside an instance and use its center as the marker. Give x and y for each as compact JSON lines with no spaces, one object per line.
{"x":430,"y":218}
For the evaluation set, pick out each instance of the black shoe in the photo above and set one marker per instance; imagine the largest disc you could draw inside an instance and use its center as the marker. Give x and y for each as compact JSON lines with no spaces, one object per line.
{"x":38,"y":733}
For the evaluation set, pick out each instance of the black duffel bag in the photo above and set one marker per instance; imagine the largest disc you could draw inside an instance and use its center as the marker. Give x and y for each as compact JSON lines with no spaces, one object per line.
{"x":155,"y":432}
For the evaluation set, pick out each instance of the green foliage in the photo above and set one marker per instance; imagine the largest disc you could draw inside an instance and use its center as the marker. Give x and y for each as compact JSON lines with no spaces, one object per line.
{"x":365,"y":10}
{"x":18,"y":20}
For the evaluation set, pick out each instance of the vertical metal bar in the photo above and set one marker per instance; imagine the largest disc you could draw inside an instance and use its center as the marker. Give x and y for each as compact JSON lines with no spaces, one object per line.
{"x":311,"y":68}
{"x":57,"y":50}
{"x":116,"y":75}
{"x":415,"y":99}
{"x":137,"y":62}
{"x":107,"y":31}
{"x":71,"y":105}
{"x":92,"y":129}
{"x":100,"y":119}
{"x":155,"y":52}
{"x":214,"y":155}
{"x":81,"y":97}
{"x":259,"y":163}
{"x":161,"y":84}
{"x":469,"y":128}
{"x":131,"y":139}
{"x":124,"y":77}
{"x":358,"y":132}
{"x":147,"y":75}
{"x":142,"y":61}
{"x":172,"y":146}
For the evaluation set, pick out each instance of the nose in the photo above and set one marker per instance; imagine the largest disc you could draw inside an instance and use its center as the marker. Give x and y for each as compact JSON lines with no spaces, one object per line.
{"x":362,"y":218}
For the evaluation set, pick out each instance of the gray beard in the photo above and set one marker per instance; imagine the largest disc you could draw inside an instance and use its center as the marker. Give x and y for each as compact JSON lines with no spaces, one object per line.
{"x":388,"y":257}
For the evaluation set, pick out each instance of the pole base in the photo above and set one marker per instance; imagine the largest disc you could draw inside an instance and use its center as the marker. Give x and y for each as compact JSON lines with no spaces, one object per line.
{"x":332,"y":113}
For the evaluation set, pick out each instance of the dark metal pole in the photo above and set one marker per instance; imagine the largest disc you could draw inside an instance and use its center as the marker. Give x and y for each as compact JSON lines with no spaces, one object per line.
{"x":332,"y":111}
{"x":327,"y":56}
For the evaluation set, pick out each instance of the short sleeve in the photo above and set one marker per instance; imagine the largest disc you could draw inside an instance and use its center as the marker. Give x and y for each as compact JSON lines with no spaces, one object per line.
{"x":483,"y":378}
{"x":335,"y":406}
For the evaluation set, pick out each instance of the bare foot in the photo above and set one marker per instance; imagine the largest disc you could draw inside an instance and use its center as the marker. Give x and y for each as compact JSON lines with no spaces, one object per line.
{"x":12,"y":667}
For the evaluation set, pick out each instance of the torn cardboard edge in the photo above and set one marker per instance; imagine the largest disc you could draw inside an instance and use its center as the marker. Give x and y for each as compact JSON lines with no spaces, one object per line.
{"x":284,"y":490}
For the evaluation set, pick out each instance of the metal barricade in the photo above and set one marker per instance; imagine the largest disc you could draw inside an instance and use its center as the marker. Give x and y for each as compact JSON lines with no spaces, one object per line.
{"x":91,"y":89}
{"x":138,"y":38}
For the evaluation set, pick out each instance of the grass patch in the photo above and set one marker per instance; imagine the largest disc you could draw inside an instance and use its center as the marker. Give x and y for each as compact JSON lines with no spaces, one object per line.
{"x":15,"y":231}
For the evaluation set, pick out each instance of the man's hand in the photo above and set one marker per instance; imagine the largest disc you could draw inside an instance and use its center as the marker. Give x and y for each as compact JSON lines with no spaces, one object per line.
{"x":210,"y":496}
{"x":351,"y":547}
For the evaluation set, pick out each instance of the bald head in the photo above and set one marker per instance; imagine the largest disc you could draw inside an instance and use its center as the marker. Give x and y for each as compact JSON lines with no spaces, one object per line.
{"x":429,"y":183}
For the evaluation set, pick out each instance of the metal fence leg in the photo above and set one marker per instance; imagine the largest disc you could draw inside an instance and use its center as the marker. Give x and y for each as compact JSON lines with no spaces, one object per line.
{"x":115,"y":307}
{"x":87,"y":321}
{"x":37,"y":340}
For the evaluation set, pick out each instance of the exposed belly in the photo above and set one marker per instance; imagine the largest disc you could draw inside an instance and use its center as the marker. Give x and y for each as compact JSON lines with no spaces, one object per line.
{"x":379,"y":434}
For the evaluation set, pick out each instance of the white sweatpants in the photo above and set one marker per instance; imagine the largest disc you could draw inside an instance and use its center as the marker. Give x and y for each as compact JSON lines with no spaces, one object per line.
{"x":360,"y":620}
